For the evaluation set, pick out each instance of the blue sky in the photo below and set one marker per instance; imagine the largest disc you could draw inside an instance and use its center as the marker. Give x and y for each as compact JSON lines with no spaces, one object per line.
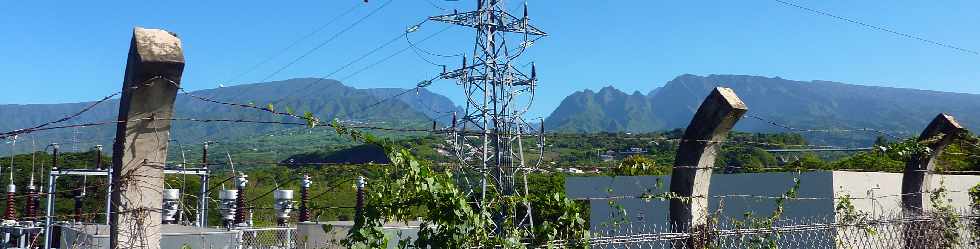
{"x":71,"y":51}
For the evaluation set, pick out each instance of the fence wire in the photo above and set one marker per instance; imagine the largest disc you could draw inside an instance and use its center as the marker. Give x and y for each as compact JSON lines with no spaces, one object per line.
{"x":268,"y":238}
{"x":960,"y":229}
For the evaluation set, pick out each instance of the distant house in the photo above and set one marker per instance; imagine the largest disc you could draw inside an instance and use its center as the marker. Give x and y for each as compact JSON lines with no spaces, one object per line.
{"x":608,"y":156}
{"x":571,"y":170}
{"x":634,"y":151}
{"x":611,"y":155}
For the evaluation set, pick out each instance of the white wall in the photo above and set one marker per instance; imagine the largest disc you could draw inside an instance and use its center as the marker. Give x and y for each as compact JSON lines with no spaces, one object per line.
{"x":878,"y":193}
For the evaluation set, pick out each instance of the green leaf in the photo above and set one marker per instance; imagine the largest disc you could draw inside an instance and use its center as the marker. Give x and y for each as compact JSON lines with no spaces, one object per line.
{"x":311,"y":121}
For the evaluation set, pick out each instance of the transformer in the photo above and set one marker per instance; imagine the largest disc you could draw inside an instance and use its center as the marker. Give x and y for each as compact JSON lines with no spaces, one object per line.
{"x":227,"y":206}
{"x":171,"y":206}
{"x":283,"y":205}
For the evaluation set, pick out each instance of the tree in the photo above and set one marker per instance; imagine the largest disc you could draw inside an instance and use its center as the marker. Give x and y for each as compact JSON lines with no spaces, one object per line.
{"x":639,"y":165}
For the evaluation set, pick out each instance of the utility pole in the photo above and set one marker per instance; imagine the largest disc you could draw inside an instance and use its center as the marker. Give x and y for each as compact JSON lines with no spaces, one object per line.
{"x":49,"y":209}
{"x":202,"y":210}
{"x":495,"y":90}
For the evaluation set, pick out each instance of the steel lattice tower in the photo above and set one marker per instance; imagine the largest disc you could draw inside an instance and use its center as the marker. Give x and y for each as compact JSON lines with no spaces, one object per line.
{"x":489,"y":142}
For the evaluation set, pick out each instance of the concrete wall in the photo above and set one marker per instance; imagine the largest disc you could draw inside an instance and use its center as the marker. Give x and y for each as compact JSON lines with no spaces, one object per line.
{"x":93,"y":236}
{"x":328,"y":235}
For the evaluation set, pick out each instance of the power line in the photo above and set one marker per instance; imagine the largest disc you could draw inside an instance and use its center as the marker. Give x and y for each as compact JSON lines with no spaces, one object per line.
{"x":434,"y":5}
{"x":879,"y":28}
{"x":375,"y":50}
{"x":422,"y":84}
{"x":413,"y":45}
{"x":324,"y":43}
{"x":369,"y":53}
{"x":416,"y":51}
{"x":372,"y":65}
{"x":295,"y":42}
{"x":291,"y":179}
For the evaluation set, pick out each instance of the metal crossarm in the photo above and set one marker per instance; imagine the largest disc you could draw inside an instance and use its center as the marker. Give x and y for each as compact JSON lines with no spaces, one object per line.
{"x":499,"y":21}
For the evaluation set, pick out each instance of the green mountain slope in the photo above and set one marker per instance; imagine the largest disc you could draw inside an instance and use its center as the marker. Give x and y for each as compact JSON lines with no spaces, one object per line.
{"x":606,"y":110}
{"x":433,"y":105}
{"x":327,"y":99}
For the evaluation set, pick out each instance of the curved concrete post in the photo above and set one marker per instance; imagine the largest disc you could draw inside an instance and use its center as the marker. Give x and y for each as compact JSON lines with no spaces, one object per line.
{"x":919,"y":168}
{"x":916,"y":181}
{"x":156,"y":63}
{"x":696,"y":156}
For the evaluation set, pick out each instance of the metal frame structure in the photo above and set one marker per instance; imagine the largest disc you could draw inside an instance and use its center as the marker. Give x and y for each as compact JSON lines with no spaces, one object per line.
{"x":498,"y":94}
{"x":23,"y":235}
{"x":55,"y":173}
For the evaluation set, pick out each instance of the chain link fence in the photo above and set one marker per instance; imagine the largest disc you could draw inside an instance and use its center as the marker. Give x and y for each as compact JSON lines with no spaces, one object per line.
{"x":936,"y":230}
{"x":948,"y":229}
{"x":268,"y":238}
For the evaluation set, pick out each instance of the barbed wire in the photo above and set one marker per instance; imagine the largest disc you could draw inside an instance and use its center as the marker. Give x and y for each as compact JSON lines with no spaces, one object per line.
{"x":670,"y":195}
{"x":112,"y":122}
{"x":132,"y":87}
{"x":739,"y":233}
{"x":805,"y":130}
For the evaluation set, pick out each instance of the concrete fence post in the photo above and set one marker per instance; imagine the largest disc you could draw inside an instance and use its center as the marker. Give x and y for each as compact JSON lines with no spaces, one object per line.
{"x":916,"y":181}
{"x":696,"y":157}
{"x":919,"y":168}
{"x":153,"y":73}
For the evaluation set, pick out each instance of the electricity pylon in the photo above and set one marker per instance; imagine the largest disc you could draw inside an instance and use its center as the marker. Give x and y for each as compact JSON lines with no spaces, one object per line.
{"x":489,"y":142}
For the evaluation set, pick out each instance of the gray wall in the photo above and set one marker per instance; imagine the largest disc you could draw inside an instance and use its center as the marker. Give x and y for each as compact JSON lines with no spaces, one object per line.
{"x":654,"y":212}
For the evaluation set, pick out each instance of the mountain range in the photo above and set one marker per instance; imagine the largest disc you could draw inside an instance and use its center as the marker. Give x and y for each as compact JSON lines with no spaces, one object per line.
{"x":818,"y":105}
{"x":774,"y":104}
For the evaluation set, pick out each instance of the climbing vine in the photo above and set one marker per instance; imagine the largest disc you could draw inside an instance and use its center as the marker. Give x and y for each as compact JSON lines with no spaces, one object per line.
{"x":750,"y":221}
{"x":975,"y":207}
{"x":411,"y":189}
{"x":945,"y":221}
{"x":850,"y":216}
